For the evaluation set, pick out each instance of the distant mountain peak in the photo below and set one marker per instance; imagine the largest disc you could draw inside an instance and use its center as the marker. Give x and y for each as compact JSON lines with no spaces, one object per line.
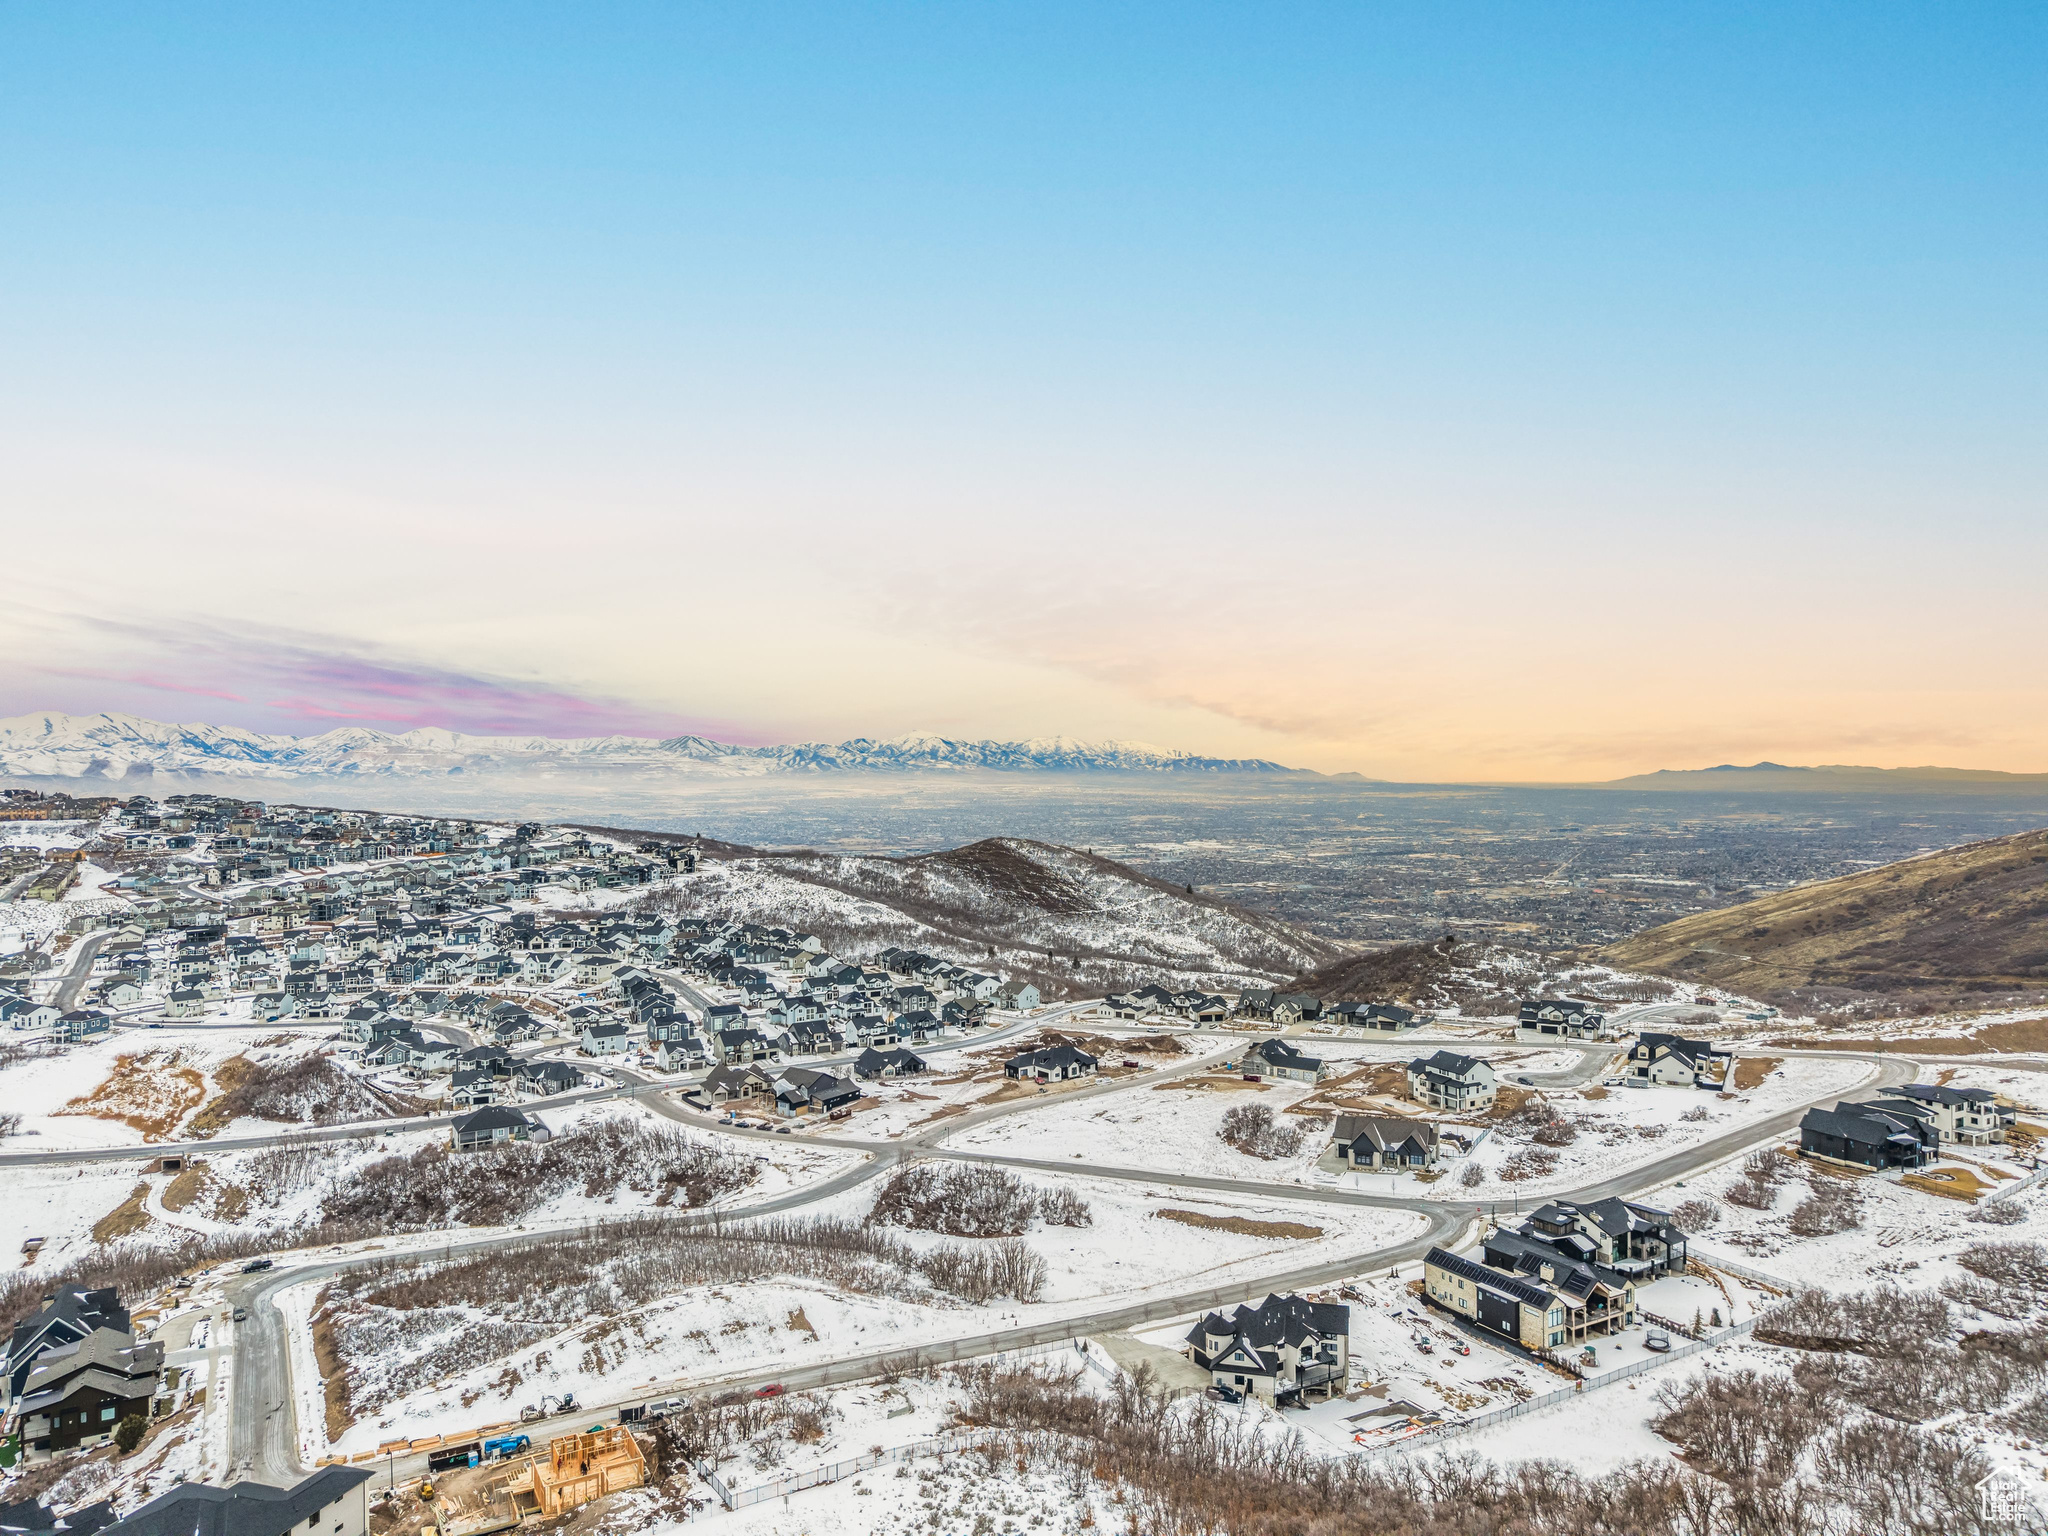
{"x":116,"y":746}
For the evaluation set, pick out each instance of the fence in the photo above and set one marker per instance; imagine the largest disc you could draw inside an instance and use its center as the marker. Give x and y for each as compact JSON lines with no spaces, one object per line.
{"x":1441,"y":1432}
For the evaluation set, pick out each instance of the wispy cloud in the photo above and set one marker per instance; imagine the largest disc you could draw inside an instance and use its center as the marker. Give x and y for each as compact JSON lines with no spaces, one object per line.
{"x":291,"y":680}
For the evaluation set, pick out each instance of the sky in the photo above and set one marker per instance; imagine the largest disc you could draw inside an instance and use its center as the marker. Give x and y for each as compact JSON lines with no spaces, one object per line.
{"x":1432,"y":391}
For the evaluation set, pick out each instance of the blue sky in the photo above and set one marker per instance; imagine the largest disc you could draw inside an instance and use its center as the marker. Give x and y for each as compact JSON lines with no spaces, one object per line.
{"x":1425,"y":390}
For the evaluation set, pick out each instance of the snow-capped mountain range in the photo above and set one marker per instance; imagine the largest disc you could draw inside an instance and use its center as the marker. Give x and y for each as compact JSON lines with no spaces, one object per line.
{"x":124,"y":746}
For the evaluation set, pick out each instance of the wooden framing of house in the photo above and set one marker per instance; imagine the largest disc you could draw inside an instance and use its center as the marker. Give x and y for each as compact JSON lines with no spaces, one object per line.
{"x":578,"y":1468}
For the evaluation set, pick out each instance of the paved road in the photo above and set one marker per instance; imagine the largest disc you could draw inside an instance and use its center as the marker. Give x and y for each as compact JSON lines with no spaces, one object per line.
{"x":66,"y":995}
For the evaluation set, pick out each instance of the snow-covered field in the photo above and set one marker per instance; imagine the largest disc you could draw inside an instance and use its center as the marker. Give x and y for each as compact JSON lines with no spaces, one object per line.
{"x":1172,"y":1129}
{"x":170,"y":1080}
{"x":1620,"y":1128}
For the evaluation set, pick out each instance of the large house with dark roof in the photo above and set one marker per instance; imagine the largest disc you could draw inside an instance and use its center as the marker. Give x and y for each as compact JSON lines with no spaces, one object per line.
{"x":1972,"y":1116}
{"x":1675,"y":1061}
{"x":1527,"y":1292}
{"x":65,"y":1317}
{"x":1560,"y":1018}
{"x":1447,"y":1080}
{"x":78,"y":1392}
{"x":334,"y":1501}
{"x":1054,"y":1064}
{"x":1384,"y":1142}
{"x":1286,"y":1347}
{"x":1279,"y":1058}
{"x":1638,"y":1241}
{"x":1891,"y":1134}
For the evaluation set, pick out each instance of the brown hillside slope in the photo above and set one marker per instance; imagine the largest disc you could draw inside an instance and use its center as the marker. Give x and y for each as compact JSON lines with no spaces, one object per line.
{"x":1970,"y":920}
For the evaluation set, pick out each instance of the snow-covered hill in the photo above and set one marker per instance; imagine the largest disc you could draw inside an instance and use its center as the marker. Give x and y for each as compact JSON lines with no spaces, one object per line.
{"x":1075,"y":923}
{"x":117,"y":746}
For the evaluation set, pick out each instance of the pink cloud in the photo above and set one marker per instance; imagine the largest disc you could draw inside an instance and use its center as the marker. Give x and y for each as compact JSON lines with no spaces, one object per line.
{"x":288,"y":681}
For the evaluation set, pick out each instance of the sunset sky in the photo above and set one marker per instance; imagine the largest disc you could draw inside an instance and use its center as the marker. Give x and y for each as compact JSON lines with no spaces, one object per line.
{"x":1436,"y":391}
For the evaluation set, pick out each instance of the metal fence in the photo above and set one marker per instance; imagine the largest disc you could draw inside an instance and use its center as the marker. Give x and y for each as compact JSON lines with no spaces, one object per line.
{"x":1441,"y":1432}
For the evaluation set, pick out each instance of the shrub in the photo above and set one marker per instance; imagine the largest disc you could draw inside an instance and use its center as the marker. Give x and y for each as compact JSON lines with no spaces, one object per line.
{"x":1756,"y":1194}
{"x":1696,"y":1215}
{"x":1832,"y":1207}
{"x":1992,"y":1213}
{"x":1556,"y":1133}
{"x":958,"y":1199}
{"x":1694,"y":1115}
{"x":129,"y":1432}
{"x":497,"y":1186}
{"x":1252,"y":1130}
{"x":1530,"y":1163}
{"x":1062,"y":1207}
{"x":1473,"y":1176}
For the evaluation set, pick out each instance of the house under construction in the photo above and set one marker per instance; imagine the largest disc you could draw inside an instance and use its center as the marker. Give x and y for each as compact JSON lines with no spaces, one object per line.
{"x":578,"y":1468}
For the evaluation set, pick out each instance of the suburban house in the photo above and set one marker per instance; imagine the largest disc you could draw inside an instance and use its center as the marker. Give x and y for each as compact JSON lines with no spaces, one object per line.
{"x":494,"y":1124}
{"x":77,"y":1392}
{"x":805,"y":1090}
{"x":1638,"y":1241}
{"x":1972,"y":1116}
{"x":1054,"y":1064}
{"x":1675,"y":1061}
{"x":65,"y":1317}
{"x":20,"y":1013}
{"x":1277,"y":1058}
{"x":1280,"y":1007}
{"x":1892,"y":1134}
{"x":1379,"y":1018}
{"x":334,"y":1501}
{"x":1541,"y":1301}
{"x":1382,"y":1141}
{"x":724,"y":1084}
{"x":1286,"y":1347}
{"x":606,"y":1040}
{"x":680,"y":1053}
{"x":1017,"y":996}
{"x":29,"y":1517}
{"x":472,"y":1088}
{"x":893,"y":1063}
{"x":739,"y":1047}
{"x":1560,"y":1018}
{"x":546,"y":1077}
{"x":1447,"y":1080}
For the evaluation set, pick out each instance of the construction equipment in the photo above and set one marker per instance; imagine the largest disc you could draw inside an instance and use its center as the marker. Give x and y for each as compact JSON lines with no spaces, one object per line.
{"x":566,"y":1403}
{"x":498,"y":1447}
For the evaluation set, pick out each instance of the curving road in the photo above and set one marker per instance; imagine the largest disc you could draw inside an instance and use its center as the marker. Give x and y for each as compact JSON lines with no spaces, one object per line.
{"x":263,"y":1433}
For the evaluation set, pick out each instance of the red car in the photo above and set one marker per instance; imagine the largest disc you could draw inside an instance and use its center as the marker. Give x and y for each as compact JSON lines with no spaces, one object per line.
{"x":773,"y":1389}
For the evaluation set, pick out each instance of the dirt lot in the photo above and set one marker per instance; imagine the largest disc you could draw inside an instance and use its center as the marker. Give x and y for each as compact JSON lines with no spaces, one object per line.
{"x":1243,"y":1226}
{"x":2018,"y":1037}
{"x":1750,"y":1071}
{"x":149,"y":1093}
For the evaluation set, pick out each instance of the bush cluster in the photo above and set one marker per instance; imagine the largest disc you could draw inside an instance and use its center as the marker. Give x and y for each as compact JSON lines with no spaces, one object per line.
{"x":1253,"y":1130}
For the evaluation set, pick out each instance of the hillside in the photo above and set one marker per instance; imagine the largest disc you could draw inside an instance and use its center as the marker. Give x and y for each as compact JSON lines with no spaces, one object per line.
{"x":1072,"y":922}
{"x":1833,"y":779}
{"x":1969,"y":923}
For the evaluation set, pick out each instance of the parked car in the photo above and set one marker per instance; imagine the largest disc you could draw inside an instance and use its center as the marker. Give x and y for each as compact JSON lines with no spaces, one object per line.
{"x":1657,"y":1339}
{"x":241,"y":1314}
{"x":254,"y":1265}
{"x":773,"y":1389}
{"x":1224,"y":1394}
